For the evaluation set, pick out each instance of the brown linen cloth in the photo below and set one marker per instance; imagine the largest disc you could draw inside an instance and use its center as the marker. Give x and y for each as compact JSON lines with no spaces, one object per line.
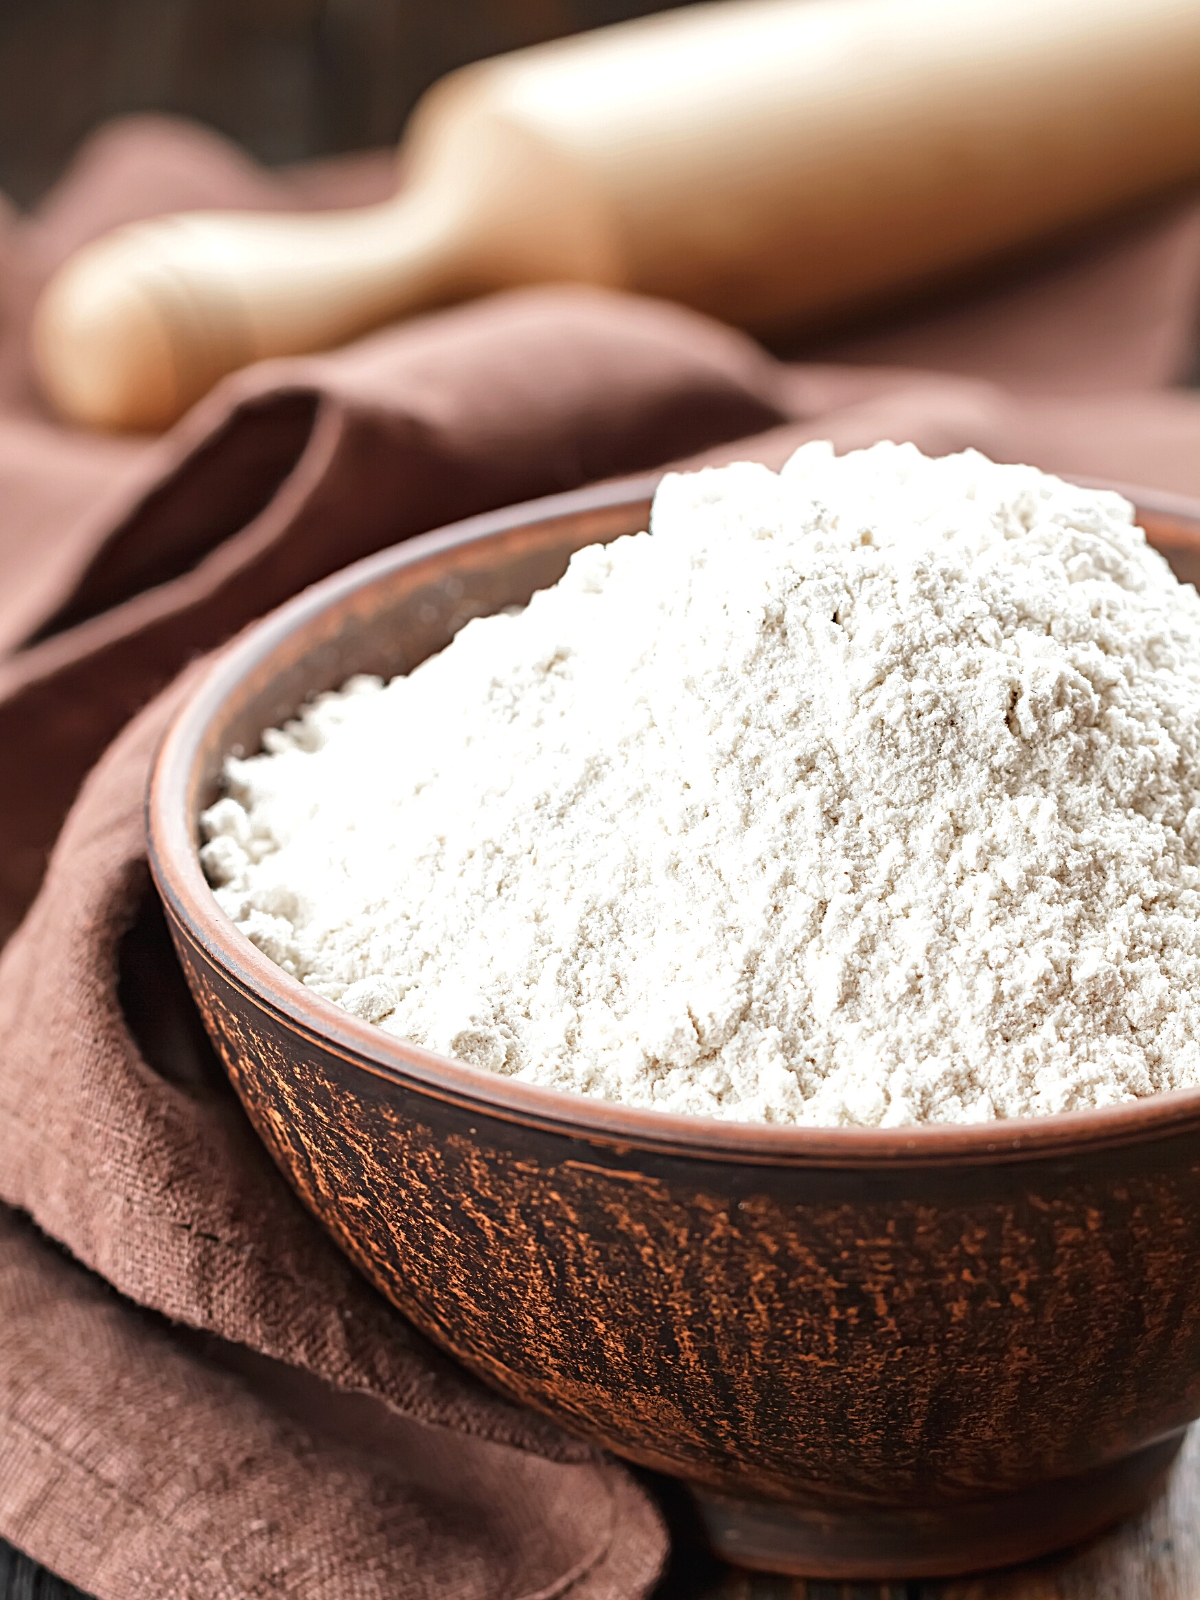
{"x":198,"y":1395}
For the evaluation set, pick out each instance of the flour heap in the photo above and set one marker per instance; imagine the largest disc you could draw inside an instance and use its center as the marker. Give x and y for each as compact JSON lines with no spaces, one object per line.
{"x":865,"y":792}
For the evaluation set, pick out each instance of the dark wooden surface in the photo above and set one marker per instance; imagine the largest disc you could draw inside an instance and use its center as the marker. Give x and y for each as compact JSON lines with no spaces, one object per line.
{"x":23,"y":1579}
{"x":289,"y":79}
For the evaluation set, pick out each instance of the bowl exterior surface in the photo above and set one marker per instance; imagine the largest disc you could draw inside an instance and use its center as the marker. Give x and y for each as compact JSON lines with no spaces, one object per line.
{"x":848,"y":1324}
{"x":893,"y":1337}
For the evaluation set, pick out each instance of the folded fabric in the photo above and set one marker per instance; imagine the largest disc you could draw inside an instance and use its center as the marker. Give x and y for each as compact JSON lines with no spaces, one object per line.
{"x":198,"y":1394}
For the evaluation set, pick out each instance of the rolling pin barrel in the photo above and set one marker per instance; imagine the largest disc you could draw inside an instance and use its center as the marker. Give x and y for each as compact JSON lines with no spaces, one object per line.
{"x":767,"y":161}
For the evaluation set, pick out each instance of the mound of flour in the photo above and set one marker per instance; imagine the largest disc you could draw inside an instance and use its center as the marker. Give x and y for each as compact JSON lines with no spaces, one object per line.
{"x":867,"y":792}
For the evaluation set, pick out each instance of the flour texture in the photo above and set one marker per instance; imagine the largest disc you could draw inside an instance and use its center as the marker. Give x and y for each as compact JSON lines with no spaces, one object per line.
{"x":867,"y":792}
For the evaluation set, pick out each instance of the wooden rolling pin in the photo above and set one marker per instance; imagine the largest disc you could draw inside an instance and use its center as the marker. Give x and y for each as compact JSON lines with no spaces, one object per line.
{"x":763,"y":160}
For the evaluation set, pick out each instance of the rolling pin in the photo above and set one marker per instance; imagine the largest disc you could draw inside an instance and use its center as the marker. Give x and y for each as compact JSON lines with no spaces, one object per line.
{"x":766,"y":161}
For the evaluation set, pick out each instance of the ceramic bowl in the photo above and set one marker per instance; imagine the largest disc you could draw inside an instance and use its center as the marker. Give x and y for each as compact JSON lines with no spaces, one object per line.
{"x":872,"y":1352}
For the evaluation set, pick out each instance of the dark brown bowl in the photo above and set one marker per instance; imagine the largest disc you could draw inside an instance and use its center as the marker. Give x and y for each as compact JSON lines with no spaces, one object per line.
{"x":874,"y":1352}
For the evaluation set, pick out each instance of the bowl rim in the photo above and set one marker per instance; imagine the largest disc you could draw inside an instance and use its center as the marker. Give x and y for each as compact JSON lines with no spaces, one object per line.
{"x":608,"y":1125}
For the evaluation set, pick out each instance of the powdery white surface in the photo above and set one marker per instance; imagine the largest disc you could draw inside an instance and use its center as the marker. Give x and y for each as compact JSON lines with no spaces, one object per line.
{"x":863,"y":793}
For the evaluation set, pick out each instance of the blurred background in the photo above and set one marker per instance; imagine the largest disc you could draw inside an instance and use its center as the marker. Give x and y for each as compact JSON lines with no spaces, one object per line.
{"x":287,"y":79}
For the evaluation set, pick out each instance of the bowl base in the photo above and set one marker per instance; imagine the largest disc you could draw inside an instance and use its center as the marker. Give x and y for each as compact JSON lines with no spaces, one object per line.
{"x":812,"y":1541}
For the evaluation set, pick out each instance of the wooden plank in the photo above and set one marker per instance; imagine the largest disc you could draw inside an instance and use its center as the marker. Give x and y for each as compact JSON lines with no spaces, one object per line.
{"x":288,"y":79}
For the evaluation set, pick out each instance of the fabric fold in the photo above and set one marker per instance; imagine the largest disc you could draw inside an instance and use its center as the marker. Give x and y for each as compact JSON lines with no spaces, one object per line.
{"x":141,"y":1464}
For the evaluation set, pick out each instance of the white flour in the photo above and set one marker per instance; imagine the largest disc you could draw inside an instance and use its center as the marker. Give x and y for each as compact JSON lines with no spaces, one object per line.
{"x":864,"y":793}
